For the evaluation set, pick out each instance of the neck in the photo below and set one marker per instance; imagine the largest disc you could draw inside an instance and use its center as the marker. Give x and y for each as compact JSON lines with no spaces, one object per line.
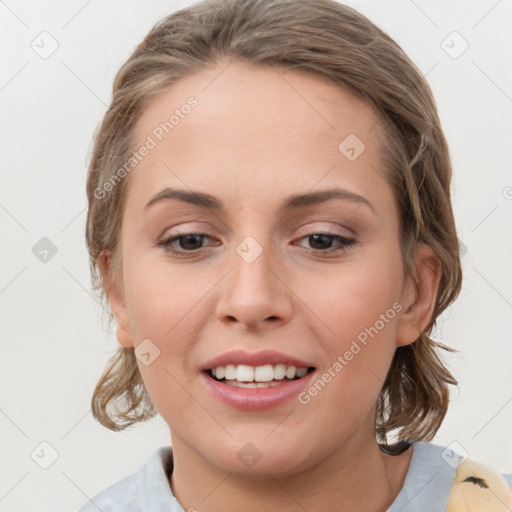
{"x":355,"y":476}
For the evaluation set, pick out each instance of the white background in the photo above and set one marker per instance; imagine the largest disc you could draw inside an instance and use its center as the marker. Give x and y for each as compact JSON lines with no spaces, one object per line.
{"x":54,"y":347}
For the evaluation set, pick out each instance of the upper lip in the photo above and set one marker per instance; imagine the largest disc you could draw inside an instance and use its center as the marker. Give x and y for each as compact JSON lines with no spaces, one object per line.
{"x":261,"y":358}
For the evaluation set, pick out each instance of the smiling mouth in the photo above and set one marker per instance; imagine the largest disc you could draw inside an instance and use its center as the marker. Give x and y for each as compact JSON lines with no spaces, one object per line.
{"x":257,"y":384}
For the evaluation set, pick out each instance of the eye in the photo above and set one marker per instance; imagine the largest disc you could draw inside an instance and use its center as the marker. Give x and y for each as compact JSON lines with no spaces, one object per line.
{"x":319,"y":241}
{"x":191,"y":243}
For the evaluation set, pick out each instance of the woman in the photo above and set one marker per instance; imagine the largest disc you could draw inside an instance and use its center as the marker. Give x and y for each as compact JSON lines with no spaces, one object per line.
{"x":270,"y":222}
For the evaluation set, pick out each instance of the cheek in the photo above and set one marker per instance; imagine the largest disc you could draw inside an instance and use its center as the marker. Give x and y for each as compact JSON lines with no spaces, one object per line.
{"x":161,"y":310}
{"x":353,"y":297}
{"x":160,"y":297}
{"x":359,"y":304}
{"x":164,"y":305}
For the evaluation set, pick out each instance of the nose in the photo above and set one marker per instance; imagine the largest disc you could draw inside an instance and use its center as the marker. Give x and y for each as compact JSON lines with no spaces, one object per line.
{"x":255,"y":293}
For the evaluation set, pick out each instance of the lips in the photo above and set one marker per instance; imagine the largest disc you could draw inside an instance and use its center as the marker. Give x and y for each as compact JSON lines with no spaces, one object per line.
{"x":255,"y":399}
{"x":238,"y":357}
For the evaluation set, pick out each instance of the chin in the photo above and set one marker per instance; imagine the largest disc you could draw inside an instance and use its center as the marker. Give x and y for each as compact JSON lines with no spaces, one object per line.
{"x":255,"y":460}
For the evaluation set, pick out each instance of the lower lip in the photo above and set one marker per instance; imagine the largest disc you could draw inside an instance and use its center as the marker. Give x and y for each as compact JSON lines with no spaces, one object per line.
{"x":256,"y":398}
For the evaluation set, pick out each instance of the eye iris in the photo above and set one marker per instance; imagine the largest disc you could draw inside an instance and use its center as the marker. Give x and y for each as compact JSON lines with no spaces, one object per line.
{"x":195,"y":238}
{"x":326,"y":238}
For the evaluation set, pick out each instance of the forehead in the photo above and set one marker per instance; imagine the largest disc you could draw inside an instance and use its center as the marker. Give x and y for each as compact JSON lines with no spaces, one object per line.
{"x":257,"y":129}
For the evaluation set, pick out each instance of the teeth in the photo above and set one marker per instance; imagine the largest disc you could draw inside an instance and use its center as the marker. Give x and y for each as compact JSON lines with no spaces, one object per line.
{"x":237,"y":384}
{"x":244,"y":373}
{"x":260,"y":374}
{"x":230,"y":372}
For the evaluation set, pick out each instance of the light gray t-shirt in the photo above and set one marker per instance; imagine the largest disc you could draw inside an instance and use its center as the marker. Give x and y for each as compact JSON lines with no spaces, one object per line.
{"x":427,"y":484}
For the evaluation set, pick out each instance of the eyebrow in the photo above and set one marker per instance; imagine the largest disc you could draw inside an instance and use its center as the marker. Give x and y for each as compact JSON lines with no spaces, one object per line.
{"x":210,"y":202}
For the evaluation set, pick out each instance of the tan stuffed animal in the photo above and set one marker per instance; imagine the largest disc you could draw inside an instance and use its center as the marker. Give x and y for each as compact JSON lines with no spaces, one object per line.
{"x":479,"y":488}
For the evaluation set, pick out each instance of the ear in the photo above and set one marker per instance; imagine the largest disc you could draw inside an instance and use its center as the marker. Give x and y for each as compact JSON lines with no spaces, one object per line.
{"x":116,"y":300}
{"x":418,"y":297}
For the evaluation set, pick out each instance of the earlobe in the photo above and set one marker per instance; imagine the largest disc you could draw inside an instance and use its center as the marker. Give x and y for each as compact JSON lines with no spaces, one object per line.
{"x":419,"y":297}
{"x":116,"y":300}
{"x":123,"y":336}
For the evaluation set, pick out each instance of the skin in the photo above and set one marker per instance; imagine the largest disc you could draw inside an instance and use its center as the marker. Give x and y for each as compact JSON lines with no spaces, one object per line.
{"x":256,"y":137}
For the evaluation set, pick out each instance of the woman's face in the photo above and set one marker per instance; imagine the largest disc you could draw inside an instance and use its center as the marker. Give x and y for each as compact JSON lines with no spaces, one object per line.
{"x":257,"y":279}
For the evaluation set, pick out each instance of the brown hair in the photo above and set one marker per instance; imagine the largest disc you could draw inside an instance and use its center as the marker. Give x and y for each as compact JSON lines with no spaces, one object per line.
{"x":332,"y":41}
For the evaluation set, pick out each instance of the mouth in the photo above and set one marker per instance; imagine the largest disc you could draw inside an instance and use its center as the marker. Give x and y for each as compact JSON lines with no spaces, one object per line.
{"x":243,"y":376}
{"x":272,"y":385}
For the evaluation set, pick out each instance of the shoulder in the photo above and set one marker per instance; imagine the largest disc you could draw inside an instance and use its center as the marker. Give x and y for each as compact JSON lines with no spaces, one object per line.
{"x":428,"y":480}
{"x":122,"y":496}
{"x":146,"y":489}
{"x":439,"y":477}
{"x":479,"y":487}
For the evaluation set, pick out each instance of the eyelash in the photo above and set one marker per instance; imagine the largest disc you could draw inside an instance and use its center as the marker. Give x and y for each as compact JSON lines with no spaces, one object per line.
{"x":346,"y":243}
